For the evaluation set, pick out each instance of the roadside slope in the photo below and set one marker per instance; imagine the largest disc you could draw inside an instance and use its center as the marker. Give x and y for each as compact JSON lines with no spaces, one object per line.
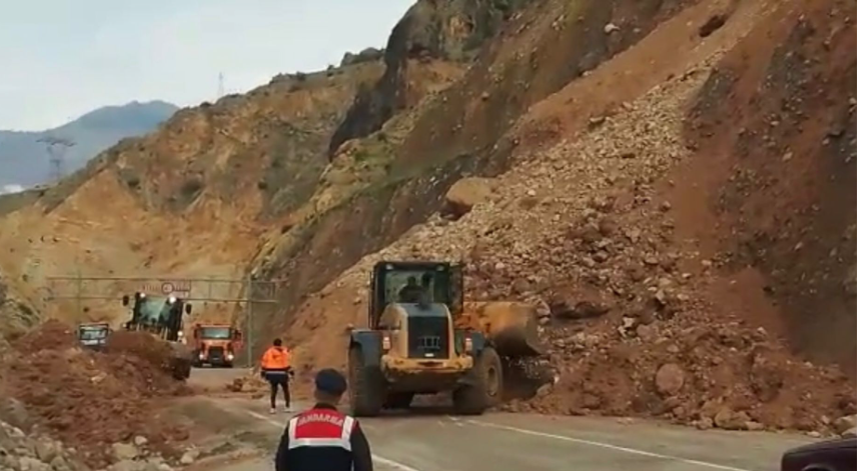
{"x":224,"y":176}
{"x":593,"y":218}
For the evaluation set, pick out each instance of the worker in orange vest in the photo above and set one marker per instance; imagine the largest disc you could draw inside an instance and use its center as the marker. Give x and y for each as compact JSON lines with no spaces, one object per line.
{"x":276,"y":368}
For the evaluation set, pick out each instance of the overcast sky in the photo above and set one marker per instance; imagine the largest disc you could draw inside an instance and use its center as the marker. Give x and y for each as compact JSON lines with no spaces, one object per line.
{"x":63,"y":58}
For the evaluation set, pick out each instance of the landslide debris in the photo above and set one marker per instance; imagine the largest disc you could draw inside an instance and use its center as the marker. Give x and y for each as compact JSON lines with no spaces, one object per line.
{"x":23,"y":451}
{"x":644,"y":306}
{"x":93,"y":400}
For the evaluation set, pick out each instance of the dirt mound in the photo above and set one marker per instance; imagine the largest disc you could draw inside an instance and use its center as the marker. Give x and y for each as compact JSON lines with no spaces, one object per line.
{"x":694,"y":315}
{"x":137,"y":345}
{"x":92,"y":400}
{"x":52,"y":335}
{"x":680,"y":316}
{"x":691,"y":370}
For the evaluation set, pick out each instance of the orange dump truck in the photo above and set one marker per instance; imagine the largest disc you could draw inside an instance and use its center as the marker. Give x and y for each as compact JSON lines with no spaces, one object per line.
{"x":216,"y":344}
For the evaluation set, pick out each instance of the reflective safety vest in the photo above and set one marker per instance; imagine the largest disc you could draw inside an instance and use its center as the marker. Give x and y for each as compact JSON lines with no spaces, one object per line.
{"x":321,"y":428}
{"x":276,"y":359}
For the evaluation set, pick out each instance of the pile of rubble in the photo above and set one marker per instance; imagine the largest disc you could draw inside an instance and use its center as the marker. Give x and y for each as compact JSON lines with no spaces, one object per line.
{"x":583,"y":231}
{"x":92,"y":400}
{"x":20,"y":451}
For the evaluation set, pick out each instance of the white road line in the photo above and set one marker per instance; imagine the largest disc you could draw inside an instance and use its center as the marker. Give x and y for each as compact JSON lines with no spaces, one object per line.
{"x":605,"y":445}
{"x":379,"y":459}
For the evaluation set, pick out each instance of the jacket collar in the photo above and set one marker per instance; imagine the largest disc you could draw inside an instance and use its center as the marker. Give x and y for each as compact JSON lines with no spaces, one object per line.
{"x":321,"y":405}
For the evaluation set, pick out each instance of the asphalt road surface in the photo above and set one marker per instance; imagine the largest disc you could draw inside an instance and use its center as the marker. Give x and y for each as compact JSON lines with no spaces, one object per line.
{"x":435,"y":441}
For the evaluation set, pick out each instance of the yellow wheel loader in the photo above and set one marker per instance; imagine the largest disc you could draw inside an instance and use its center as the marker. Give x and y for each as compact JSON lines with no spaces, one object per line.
{"x":422,"y":338}
{"x":162,"y":317}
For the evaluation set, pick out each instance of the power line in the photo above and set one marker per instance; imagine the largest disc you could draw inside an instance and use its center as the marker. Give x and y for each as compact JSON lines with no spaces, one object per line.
{"x":57,"y":147}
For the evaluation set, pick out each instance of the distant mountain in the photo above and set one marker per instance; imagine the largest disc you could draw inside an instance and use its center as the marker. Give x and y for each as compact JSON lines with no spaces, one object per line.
{"x":24,"y":161}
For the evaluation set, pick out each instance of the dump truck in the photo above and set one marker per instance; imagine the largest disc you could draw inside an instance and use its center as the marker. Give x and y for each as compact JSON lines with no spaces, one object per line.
{"x":422,"y":338}
{"x":215,"y":344}
{"x":162,"y":317}
{"x":93,"y":335}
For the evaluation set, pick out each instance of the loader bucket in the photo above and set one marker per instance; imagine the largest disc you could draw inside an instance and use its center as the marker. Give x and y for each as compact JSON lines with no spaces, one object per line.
{"x":181,"y":360}
{"x":511,"y":326}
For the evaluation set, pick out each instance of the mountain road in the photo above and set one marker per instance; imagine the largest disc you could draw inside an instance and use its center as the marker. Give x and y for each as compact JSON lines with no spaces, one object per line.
{"x":433,"y":440}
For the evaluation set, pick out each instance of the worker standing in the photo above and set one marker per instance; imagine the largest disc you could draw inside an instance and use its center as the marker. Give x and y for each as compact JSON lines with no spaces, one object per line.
{"x":323,"y":437}
{"x":276,"y":368}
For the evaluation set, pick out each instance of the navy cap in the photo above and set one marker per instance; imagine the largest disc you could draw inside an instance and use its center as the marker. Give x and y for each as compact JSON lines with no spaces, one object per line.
{"x":330,"y":381}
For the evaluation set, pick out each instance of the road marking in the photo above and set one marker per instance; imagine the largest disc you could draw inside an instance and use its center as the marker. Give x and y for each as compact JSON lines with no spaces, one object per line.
{"x":266,"y":419}
{"x":379,"y":459}
{"x":605,"y":445}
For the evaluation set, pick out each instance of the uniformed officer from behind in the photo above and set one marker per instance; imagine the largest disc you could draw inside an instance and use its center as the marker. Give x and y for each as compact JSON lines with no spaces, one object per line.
{"x":322,"y":438}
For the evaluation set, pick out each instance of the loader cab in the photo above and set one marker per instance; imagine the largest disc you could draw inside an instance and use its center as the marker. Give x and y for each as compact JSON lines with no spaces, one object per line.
{"x":415,"y":303}
{"x":162,"y":315}
{"x":437,"y":282}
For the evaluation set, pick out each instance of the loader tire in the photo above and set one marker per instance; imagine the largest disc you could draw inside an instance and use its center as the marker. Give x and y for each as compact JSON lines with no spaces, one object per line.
{"x":486,"y":388}
{"x":181,"y":370}
{"x":366,"y":386}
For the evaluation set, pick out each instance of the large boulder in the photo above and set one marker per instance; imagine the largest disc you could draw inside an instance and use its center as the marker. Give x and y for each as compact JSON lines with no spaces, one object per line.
{"x":467,"y":193}
{"x":669,"y":379}
{"x":845,"y":424}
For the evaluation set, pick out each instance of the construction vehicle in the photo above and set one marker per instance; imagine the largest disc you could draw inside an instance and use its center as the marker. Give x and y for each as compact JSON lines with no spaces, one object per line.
{"x":422,"y":338}
{"x":93,"y":335}
{"x":215,"y":344}
{"x":162,"y":316}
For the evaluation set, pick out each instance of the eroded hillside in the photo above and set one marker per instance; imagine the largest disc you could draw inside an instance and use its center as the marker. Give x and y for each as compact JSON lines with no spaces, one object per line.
{"x":672,"y":182}
{"x":192,"y":200}
{"x":640,"y":227}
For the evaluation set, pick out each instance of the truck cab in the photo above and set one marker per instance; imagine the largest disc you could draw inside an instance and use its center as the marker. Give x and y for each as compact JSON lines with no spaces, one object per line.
{"x":216,"y":344}
{"x":93,"y":335}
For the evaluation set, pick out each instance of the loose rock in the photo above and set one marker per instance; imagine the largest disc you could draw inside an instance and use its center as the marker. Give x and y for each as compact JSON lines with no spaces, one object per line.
{"x":669,"y":379}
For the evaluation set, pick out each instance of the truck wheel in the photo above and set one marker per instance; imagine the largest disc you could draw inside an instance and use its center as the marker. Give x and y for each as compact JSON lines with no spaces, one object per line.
{"x":486,"y":387}
{"x":366,"y":388}
{"x":399,"y":400}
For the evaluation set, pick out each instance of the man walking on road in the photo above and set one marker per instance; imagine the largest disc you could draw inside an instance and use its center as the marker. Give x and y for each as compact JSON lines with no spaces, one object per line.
{"x":323,"y":438}
{"x":276,"y":368}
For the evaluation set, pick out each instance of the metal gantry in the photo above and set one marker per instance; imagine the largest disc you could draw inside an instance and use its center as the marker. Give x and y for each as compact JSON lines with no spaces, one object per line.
{"x":215,"y":290}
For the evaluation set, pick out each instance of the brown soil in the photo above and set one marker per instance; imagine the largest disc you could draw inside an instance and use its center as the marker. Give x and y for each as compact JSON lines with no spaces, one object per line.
{"x":91,"y":400}
{"x":775,"y":127}
{"x":604,"y":218}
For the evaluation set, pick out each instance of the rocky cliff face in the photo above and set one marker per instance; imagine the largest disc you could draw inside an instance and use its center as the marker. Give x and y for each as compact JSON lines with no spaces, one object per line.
{"x":431,"y":31}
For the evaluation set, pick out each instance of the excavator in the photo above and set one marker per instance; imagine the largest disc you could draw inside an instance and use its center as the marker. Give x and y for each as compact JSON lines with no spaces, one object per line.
{"x":422,"y":338}
{"x":163,"y":318}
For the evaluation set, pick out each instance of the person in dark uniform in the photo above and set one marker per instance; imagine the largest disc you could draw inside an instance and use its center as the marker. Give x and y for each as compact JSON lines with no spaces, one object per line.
{"x":410,"y":293}
{"x":323,"y":438}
